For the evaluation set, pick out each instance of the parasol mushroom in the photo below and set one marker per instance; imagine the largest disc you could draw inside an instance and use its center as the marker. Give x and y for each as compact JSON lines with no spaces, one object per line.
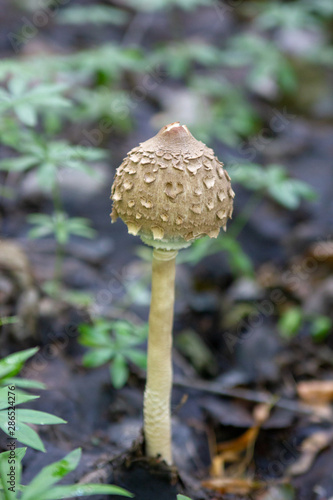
{"x":170,"y":190}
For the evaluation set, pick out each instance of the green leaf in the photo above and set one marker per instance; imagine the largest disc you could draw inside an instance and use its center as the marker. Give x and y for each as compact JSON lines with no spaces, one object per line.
{"x":97,"y":357}
{"x":18,"y":164}
{"x":27,"y":114}
{"x":290,"y":322}
{"x":50,"y":475}
{"x":23,"y":433}
{"x":239,"y":261}
{"x":39,"y":232}
{"x":119,"y":371}
{"x":80,"y":227}
{"x":26,"y":100}
{"x":5,"y":464}
{"x":42,"y":219}
{"x":96,"y":14}
{"x":303,"y":190}
{"x":82,"y":490}
{"x":182,"y":497}
{"x":12,"y":364}
{"x":25,"y":383}
{"x":96,"y":335}
{"x":153,"y":5}
{"x":137,"y":357}
{"x":8,"y":320}
{"x":38,"y":417}
{"x":20,"y":397}
{"x":78,"y":298}
{"x":321,"y":327}
{"x":249,"y":175}
{"x":285,"y":195}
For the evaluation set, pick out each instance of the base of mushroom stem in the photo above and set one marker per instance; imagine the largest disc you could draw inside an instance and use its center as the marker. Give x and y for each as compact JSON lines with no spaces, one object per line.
{"x":133,"y":470}
{"x":137,"y":455}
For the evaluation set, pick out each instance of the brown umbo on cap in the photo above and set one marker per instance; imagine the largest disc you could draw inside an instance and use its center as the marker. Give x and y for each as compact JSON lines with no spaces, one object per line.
{"x":172,"y":189}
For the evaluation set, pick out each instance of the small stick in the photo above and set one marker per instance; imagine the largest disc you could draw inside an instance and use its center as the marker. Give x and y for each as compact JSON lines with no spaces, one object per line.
{"x":245,"y":394}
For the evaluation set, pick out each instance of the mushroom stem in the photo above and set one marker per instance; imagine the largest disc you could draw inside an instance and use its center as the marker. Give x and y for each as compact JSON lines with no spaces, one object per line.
{"x":157,"y":412}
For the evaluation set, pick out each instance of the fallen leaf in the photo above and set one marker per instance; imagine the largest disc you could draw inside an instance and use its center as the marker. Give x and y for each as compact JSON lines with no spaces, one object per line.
{"x":310,"y":448}
{"x":231,"y":458}
{"x":316,"y":392}
{"x":260,"y":414}
{"x":239,"y":444}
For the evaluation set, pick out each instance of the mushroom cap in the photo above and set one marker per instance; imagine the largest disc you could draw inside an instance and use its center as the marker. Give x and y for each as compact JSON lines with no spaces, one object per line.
{"x":171,"y":190}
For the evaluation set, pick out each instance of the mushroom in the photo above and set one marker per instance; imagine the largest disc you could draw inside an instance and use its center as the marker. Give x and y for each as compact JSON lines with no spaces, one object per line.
{"x":170,"y":190}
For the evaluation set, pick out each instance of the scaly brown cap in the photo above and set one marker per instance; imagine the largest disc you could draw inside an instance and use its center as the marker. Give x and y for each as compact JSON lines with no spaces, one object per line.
{"x":172,"y":189}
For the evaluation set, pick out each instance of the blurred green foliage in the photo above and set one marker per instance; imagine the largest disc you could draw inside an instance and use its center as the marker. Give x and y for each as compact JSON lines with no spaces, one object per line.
{"x":114,"y":342}
{"x":153,"y":5}
{"x":92,"y":14}
{"x":293,"y":319}
{"x":100,"y":89}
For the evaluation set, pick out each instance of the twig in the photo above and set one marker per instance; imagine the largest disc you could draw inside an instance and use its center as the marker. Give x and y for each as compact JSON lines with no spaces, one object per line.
{"x":245,"y":394}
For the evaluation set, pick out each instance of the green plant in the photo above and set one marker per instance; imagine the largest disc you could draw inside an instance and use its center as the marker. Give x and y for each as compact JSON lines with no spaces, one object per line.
{"x":11,"y":365}
{"x":48,"y":158}
{"x":44,"y":485}
{"x":62,"y":227}
{"x":23,"y":432}
{"x":182,"y":497}
{"x":26,"y":100}
{"x":114,"y":342}
{"x":274,"y":182}
{"x":264,"y":60}
{"x":293,"y":319}
{"x":240,"y":264}
{"x":179,"y":58}
{"x":99,"y":103}
{"x":92,"y":14}
{"x":78,"y":70}
{"x":229,"y":116}
{"x":12,"y":395}
{"x":301,"y":14}
{"x":8,"y":320}
{"x":152,"y":5}
{"x":13,"y":421}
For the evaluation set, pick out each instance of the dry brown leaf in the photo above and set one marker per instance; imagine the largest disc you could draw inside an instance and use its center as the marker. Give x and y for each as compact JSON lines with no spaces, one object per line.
{"x":310,"y":448}
{"x":232,"y":485}
{"x":239,"y":444}
{"x":260,"y":414}
{"x":239,"y":452}
{"x":316,"y":392}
